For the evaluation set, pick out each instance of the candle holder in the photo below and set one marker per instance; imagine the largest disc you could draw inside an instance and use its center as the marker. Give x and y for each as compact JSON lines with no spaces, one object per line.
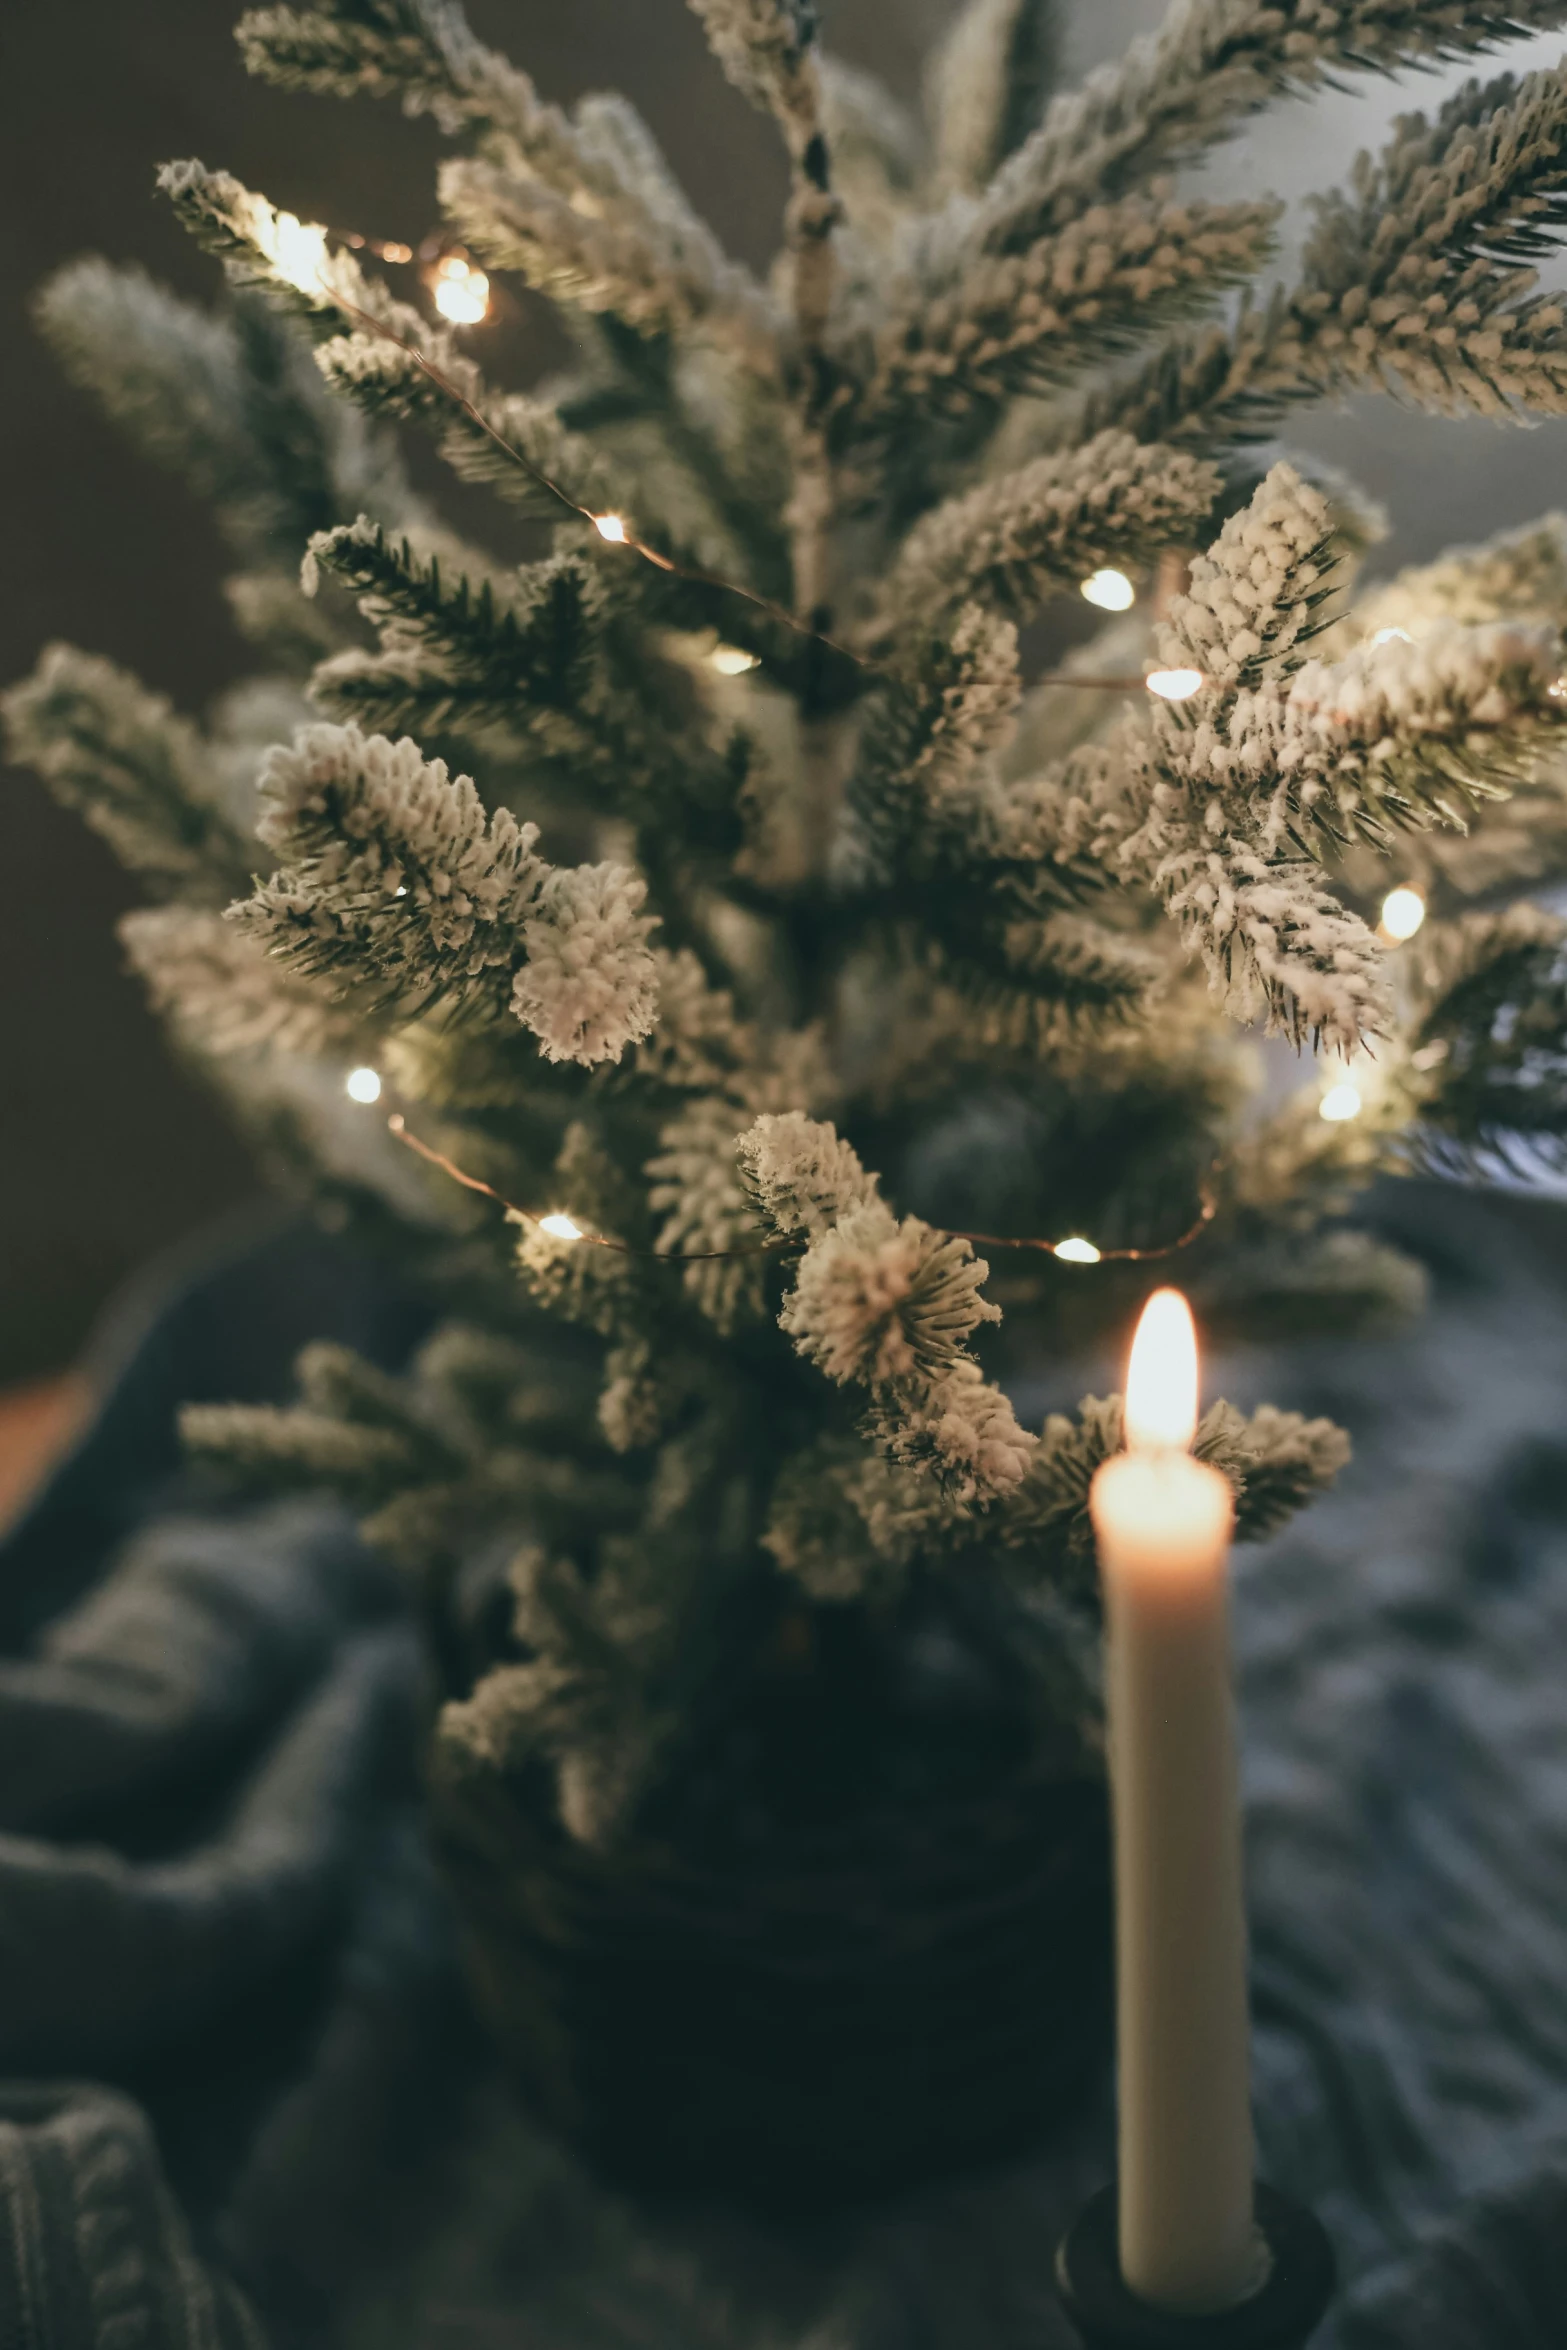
{"x":1282,"y":2314}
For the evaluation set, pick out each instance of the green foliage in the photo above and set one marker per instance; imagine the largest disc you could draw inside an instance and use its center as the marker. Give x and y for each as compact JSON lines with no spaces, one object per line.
{"x":1490,"y":1044}
{"x":673,"y":880}
{"x":455,"y":655}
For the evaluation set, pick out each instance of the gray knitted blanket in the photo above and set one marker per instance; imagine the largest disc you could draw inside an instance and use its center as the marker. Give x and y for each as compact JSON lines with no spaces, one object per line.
{"x":245,"y":2102}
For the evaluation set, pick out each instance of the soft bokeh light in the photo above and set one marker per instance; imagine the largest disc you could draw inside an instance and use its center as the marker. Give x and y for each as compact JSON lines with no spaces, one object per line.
{"x":1388,"y":636}
{"x":732,"y":660}
{"x":1077,"y":1251}
{"x":363,"y":1085}
{"x":1161,"y":1379}
{"x":1173,"y":685}
{"x":611,"y":527}
{"x":460,"y":292}
{"x":560,"y":1226}
{"x":1341,"y":1101}
{"x":298,"y":252}
{"x":1403,"y":911}
{"x":1112,"y":591}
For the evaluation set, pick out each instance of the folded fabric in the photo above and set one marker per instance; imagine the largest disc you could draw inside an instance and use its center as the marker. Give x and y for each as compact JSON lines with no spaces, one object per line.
{"x":94,"y":2254}
{"x":1496,"y":2279}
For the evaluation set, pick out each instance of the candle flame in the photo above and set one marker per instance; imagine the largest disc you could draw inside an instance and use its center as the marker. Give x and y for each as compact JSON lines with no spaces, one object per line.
{"x":1161,"y":1379}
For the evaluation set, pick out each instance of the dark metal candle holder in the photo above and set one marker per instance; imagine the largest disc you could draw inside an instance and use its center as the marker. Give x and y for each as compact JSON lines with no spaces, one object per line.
{"x":1282,"y":2314}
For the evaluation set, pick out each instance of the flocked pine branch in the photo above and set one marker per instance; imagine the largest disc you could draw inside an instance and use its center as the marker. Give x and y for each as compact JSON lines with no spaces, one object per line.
{"x":986,"y":86}
{"x":1013,"y":541}
{"x":137,"y":772}
{"x":1210,"y":65}
{"x":394,"y":874}
{"x":673,"y":283}
{"x":1274,"y":1461}
{"x":223,"y":994}
{"x":1274,"y":754}
{"x":968,"y":328}
{"x":232,"y":404}
{"x":1421,"y":282}
{"x":454,"y":654}
{"x":1489,"y":1041}
{"x":420,"y":52}
{"x":887,"y":1305}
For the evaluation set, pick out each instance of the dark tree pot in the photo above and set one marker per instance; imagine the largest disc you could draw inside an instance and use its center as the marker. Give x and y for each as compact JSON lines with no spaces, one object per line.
{"x":908,"y":1993}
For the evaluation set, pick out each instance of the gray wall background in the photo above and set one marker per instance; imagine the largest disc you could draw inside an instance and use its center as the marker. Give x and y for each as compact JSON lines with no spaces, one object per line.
{"x":107,"y":1151}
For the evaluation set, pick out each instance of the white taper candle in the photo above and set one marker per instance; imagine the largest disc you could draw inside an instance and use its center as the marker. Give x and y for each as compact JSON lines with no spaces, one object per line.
{"x":1163,"y":1523}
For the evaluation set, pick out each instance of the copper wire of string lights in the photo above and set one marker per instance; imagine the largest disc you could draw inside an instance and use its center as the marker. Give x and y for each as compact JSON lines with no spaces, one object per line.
{"x":554,"y":1224}
{"x":1174,"y":685}
{"x":566,"y":1228}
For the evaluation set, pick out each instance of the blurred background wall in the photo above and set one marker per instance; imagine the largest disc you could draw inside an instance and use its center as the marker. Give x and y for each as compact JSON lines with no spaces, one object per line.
{"x":108,"y":1152}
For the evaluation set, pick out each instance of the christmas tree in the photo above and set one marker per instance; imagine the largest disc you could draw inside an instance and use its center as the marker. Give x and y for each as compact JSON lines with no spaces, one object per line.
{"x":731,"y":896}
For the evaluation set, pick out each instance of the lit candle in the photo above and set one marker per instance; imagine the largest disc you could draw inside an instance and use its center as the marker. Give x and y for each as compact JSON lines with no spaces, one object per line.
{"x":1163,"y":1523}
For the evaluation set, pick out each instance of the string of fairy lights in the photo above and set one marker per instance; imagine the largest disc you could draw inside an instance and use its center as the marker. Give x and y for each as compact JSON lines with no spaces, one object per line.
{"x":460,"y":292}
{"x":566,"y":1228}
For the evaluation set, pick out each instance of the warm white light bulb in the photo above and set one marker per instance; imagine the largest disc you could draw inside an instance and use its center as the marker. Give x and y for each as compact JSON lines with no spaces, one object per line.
{"x":363,"y":1085}
{"x":611,"y":527}
{"x":560,"y":1227}
{"x":298,"y":252}
{"x":1388,"y":636}
{"x":1403,"y":911}
{"x":1112,"y":591}
{"x":732,"y":660}
{"x":1341,"y":1101}
{"x":461,"y":292}
{"x":1077,"y":1251}
{"x":1173,"y":685}
{"x":1161,"y":1378}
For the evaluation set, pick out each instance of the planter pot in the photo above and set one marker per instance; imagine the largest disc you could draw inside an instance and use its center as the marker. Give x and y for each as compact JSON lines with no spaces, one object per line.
{"x":908,"y":1992}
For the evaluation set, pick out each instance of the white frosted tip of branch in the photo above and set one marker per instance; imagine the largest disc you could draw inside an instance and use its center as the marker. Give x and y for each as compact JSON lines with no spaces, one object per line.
{"x":801,"y":1173}
{"x":590,"y":985}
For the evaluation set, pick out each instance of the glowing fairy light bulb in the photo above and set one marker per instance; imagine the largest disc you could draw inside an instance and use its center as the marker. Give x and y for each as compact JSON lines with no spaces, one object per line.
{"x":298,"y":252}
{"x":1077,"y":1251}
{"x":1173,"y":685}
{"x":1341,"y":1101}
{"x":732,"y":660}
{"x":1112,"y":591}
{"x":363,"y":1085}
{"x":611,"y":527}
{"x":460,"y":292}
{"x":1403,"y":911}
{"x":1388,"y":636}
{"x":1161,"y":1379}
{"x":560,"y":1227}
